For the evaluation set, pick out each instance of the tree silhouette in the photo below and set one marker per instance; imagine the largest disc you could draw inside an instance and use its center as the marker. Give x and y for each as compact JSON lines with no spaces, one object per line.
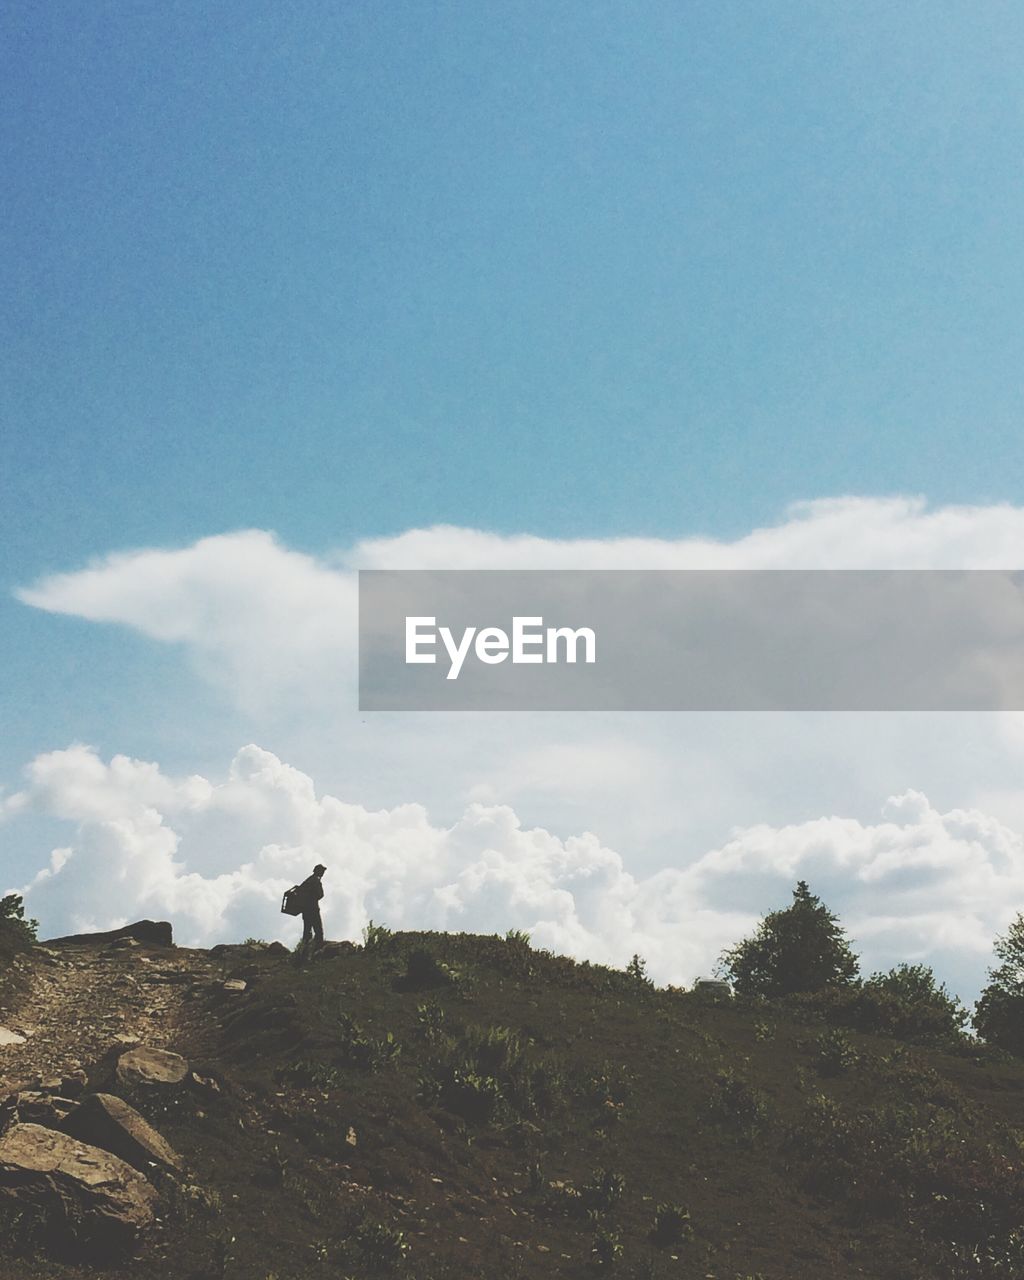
{"x":800,"y":948}
{"x":999,"y":1013}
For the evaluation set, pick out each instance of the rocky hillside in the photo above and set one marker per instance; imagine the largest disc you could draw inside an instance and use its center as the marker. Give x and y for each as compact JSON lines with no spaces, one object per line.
{"x":439,"y":1107}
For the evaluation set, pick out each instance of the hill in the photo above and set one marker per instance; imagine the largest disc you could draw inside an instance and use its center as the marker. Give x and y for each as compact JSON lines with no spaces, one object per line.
{"x":453,"y":1107}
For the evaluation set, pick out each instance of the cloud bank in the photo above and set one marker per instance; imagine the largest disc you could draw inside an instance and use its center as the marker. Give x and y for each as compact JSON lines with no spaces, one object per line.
{"x":216,"y":856}
{"x":269,"y":623}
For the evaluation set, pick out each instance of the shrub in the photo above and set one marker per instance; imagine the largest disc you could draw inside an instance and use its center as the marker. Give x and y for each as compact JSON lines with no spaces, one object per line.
{"x":737,"y":1103}
{"x":906,"y":1002}
{"x":485,"y":1073}
{"x":801,"y":948}
{"x":671,"y":1225}
{"x":16,"y":933}
{"x":382,"y":1245}
{"x":376,"y":936}
{"x":606,"y":1248}
{"x":834,"y":1053}
{"x":423,"y":970}
{"x":604,"y":1190}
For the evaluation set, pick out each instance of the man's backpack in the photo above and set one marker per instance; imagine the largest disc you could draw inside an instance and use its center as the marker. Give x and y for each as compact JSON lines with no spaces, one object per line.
{"x":291,"y":903}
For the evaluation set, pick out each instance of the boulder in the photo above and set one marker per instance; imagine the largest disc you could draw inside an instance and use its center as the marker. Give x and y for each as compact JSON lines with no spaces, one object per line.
{"x":144,"y":1066}
{"x":10,"y":1037}
{"x":235,"y":984}
{"x":97,"y":1199}
{"x":110,"y":1123}
{"x":32,"y":1106}
{"x":155,"y":933}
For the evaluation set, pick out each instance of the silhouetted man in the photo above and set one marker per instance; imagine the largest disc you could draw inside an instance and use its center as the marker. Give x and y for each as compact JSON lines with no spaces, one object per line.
{"x":312,"y":890}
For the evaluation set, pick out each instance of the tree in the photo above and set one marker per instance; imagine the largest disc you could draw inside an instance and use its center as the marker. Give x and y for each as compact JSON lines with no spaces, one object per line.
{"x":801,"y":948}
{"x":16,"y":933}
{"x":999,"y":1013}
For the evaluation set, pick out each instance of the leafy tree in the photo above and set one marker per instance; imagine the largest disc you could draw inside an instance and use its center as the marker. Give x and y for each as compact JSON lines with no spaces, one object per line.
{"x":16,"y":933}
{"x":801,"y":948}
{"x":999,"y":1013}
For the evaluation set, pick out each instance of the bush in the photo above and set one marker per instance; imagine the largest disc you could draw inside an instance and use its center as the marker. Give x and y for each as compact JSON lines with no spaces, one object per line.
{"x":906,"y":1003}
{"x":801,"y":948}
{"x":671,"y":1225}
{"x":485,"y":1073}
{"x":737,"y":1103}
{"x":834,"y":1053}
{"x":376,"y":936}
{"x":16,"y":933}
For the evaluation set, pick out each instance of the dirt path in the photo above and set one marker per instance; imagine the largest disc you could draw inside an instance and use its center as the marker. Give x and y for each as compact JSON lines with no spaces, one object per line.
{"x":80,"y":998}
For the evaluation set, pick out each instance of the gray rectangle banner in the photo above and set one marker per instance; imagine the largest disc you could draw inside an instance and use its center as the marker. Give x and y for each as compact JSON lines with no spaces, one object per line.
{"x":691,"y":640}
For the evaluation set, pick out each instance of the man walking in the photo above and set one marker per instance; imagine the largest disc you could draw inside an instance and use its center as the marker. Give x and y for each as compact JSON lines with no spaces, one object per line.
{"x":311,"y":891}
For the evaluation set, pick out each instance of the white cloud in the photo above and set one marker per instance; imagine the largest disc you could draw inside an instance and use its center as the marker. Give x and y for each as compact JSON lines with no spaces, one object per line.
{"x":918,"y":884}
{"x":274,"y":630}
{"x":267,"y":622}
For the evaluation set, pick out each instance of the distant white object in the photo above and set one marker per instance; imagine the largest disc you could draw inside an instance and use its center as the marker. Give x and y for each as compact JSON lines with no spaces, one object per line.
{"x":10,"y":1037}
{"x":716,"y":987}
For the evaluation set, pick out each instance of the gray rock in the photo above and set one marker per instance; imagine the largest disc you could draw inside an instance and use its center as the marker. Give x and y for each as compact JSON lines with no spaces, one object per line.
{"x":144,"y":1066}
{"x":110,"y":1123}
{"x":31,"y":1106}
{"x":235,"y":984}
{"x":100,"y":1200}
{"x":10,"y":1037}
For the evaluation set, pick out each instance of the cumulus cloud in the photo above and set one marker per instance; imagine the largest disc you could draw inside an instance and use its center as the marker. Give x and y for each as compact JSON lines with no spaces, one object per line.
{"x":916,"y":885}
{"x":274,"y":630}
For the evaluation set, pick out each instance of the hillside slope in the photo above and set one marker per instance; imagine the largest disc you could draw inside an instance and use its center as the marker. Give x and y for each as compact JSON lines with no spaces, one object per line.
{"x":450,"y":1107}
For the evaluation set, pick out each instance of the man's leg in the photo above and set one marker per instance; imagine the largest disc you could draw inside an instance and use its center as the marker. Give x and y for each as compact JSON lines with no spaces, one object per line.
{"x":307,"y":926}
{"x":318,"y":927}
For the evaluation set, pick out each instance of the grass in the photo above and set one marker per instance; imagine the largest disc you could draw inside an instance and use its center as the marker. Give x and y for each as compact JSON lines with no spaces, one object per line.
{"x":442,"y":1106}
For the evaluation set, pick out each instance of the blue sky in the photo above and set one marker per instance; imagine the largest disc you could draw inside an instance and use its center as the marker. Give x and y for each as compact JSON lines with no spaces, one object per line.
{"x":573,"y":270}
{"x":579,"y":268}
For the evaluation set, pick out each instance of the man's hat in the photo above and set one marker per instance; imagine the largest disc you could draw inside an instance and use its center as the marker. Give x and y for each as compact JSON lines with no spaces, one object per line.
{"x":318,"y":868}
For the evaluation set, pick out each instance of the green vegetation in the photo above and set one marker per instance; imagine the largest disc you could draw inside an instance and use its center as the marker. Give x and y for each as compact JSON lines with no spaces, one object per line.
{"x":999,"y":1013}
{"x":802,"y":948}
{"x":16,"y":933}
{"x":441,"y":1107}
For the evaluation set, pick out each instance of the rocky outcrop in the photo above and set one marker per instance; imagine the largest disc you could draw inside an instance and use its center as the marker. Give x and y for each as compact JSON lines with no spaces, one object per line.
{"x":155,"y":933}
{"x":110,"y":1123}
{"x":145,"y":1067}
{"x":92,"y":1196}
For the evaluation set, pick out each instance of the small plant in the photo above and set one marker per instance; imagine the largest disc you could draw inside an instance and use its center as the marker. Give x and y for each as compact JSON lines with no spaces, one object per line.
{"x":671,"y":1225}
{"x":381,"y":1244}
{"x":834,"y":1054}
{"x":604,"y":1191}
{"x":517,"y":938}
{"x":737,"y":1103}
{"x":376,"y":936}
{"x":423,"y":970}
{"x":606,"y":1248}
{"x":763,"y":1030}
